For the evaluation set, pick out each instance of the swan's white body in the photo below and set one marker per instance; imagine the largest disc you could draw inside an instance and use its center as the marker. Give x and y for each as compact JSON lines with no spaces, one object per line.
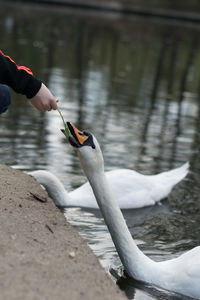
{"x":131,"y":189}
{"x":180,"y":275}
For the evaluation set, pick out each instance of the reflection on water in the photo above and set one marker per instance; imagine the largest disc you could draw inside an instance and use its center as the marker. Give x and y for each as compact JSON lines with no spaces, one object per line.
{"x":140,"y":291}
{"x":94,"y":231}
{"x":135,"y":84}
{"x":90,"y":224}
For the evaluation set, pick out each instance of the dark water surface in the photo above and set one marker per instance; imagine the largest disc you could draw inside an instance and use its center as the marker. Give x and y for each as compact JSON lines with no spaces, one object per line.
{"x":134,"y":83}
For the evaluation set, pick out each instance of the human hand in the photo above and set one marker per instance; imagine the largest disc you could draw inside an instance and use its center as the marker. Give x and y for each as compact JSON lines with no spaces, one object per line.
{"x":44,"y":100}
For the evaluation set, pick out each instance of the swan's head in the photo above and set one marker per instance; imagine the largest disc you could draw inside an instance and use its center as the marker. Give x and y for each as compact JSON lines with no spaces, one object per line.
{"x":88,"y":148}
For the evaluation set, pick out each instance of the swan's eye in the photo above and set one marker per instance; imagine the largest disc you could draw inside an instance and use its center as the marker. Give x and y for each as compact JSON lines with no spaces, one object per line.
{"x":86,"y":133}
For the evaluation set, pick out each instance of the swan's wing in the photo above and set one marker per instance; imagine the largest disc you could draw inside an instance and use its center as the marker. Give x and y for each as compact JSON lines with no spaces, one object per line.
{"x":164,"y":182}
{"x":137,"y":199}
{"x":130,"y":189}
{"x":193,"y":272}
{"x":184,"y":273}
{"x":127,"y":186}
{"x":192,"y":259}
{"x":133,"y":190}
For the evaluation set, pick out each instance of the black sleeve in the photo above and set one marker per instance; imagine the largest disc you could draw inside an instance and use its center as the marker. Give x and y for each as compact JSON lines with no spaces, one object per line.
{"x":19,"y":78}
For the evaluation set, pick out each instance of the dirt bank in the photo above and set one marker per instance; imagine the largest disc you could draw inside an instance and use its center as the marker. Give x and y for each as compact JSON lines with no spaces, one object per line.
{"x":41,"y":255}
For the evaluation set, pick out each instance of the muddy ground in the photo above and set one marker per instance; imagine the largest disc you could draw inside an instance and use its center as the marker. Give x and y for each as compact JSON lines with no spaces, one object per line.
{"x":41,"y":255}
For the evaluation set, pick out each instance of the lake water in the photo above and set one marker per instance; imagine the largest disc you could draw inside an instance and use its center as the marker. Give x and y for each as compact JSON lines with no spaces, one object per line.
{"x":135,"y":84}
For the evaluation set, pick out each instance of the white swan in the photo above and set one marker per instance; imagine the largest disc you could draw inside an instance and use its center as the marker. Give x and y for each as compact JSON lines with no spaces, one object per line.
{"x":131,"y":189}
{"x":180,"y":275}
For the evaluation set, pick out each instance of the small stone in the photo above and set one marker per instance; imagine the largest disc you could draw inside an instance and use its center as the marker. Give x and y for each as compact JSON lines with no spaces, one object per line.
{"x":13,"y":236}
{"x":72,"y":254}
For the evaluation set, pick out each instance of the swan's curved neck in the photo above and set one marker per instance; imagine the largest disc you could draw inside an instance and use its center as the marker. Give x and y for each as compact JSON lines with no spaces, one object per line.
{"x":135,"y":262}
{"x":54,"y":187}
{"x":58,"y":193}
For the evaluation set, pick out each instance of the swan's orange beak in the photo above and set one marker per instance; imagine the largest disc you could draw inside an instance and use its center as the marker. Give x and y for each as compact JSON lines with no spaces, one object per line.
{"x":77,"y":134}
{"x":78,"y":138}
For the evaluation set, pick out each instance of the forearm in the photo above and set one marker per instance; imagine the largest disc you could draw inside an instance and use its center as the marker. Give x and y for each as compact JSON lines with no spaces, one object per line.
{"x":19,"y":78}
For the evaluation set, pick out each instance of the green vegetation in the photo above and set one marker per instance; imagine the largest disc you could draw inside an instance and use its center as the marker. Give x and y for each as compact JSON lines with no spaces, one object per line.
{"x":65,"y":126}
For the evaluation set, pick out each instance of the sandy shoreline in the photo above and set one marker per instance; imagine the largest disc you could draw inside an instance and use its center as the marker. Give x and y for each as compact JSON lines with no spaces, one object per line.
{"x":37,"y":246}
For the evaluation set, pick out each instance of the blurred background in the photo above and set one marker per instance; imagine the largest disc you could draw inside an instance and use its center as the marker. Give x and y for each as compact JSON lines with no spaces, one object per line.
{"x":129,"y":72}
